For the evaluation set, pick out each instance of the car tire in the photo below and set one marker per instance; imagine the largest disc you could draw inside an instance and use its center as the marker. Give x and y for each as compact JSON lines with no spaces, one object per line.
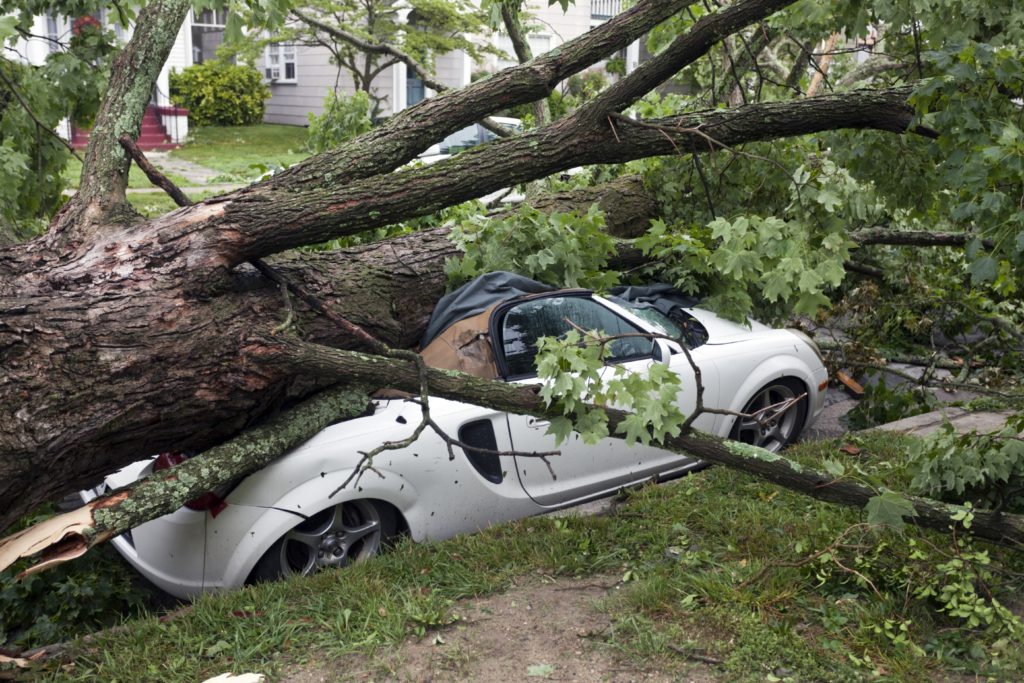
{"x":771,"y":429}
{"x":336,"y":536}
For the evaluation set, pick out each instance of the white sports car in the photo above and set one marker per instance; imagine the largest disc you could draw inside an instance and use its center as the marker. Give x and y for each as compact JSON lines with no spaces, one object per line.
{"x":282,"y":520}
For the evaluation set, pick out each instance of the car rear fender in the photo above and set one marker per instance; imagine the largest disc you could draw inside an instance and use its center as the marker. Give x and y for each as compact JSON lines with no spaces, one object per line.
{"x":262,"y":526}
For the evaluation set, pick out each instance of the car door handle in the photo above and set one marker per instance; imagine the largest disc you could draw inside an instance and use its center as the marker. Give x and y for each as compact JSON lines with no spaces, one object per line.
{"x":537,"y":423}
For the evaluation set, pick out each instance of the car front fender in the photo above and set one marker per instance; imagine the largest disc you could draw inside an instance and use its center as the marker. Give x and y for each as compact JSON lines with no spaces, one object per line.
{"x":773,"y":368}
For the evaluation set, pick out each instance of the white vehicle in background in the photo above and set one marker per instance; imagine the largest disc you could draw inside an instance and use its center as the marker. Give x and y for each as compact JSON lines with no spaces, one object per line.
{"x":283,"y":519}
{"x":470,"y":137}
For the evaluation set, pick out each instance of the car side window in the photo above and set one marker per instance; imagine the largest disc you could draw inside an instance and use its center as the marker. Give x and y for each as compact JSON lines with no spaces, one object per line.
{"x":527,"y":322}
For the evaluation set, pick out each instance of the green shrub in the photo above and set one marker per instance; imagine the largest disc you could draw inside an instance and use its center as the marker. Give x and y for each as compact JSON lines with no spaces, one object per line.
{"x":220,"y":94}
{"x":344,"y":117}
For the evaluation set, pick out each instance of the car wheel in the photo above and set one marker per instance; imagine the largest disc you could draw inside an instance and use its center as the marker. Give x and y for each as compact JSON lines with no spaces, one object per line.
{"x":770,"y":425}
{"x":335,"y":537}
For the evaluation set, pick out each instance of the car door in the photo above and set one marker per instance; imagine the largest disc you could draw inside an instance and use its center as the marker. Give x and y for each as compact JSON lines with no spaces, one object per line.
{"x":581,"y":471}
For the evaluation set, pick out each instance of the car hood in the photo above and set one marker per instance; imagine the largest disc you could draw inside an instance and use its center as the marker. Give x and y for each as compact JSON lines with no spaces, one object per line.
{"x":722,"y":331}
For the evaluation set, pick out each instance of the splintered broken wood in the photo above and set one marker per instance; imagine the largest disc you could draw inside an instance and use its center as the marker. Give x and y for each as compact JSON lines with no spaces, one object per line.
{"x":58,"y":538}
{"x":850,"y":383}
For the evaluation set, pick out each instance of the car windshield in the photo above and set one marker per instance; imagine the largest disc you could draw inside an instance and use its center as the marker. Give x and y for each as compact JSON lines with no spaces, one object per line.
{"x":684,"y":328}
{"x":661,"y":322}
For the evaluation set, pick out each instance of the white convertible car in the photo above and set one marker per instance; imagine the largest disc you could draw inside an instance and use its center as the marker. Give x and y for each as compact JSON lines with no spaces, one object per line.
{"x":282,"y":520}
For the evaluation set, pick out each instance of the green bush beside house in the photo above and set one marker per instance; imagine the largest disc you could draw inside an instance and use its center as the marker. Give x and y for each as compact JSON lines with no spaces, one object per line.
{"x":220,"y":94}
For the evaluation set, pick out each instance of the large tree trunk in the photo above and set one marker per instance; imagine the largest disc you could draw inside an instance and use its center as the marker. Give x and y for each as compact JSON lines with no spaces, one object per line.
{"x":121,"y":339}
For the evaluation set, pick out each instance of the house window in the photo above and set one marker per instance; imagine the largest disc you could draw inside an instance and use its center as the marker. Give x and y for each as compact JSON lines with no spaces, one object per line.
{"x":414,"y":90}
{"x":207,"y":33}
{"x":604,"y":9}
{"x":279,"y":63}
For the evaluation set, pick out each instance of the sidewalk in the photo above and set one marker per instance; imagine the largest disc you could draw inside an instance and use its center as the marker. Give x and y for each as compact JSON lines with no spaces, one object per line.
{"x":963,"y":420}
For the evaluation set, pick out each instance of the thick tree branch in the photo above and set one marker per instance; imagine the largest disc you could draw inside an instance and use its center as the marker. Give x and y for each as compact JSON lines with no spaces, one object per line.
{"x":914,"y":238}
{"x":412,"y":130}
{"x":254,"y":216}
{"x":101,"y":190}
{"x":69,"y":536}
{"x":525,"y":400}
{"x":684,"y":50}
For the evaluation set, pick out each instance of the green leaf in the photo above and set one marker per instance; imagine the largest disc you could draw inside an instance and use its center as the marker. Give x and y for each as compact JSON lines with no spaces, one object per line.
{"x":983,"y":270}
{"x":560,"y":428}
{"x":8,"y":28}
{"x":889,"y":508}
{"x":835,"y":468}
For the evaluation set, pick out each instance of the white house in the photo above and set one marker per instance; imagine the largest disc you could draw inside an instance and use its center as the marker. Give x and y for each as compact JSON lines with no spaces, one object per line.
{"x":164,"y":125}
{"x":299,"y":76}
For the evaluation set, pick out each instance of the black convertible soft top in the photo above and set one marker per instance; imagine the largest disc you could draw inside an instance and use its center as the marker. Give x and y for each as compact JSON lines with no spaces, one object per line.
{"x":662,"y":297}
{"x":476,"y":296}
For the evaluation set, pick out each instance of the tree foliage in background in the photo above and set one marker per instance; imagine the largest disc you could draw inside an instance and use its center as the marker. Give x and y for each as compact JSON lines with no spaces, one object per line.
{"x":772,"y":229}
{"x":422,"y":29}
{"x":344,"y":117}
{"x":33,"y":101}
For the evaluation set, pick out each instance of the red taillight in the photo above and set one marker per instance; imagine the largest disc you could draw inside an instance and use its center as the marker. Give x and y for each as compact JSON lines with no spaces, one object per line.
{"x":207,"y":501}
{"x":166,"y":461}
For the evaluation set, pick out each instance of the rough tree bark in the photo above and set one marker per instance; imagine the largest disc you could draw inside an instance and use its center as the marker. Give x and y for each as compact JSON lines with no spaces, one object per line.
{"x":122,"y":338}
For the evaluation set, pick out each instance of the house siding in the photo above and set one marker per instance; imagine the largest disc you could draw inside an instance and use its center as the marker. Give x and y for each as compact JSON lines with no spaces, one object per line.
{"x":315,"y":76}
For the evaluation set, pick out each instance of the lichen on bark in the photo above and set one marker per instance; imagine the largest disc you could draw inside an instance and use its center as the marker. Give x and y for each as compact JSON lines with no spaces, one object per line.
{"x":167,"y":490}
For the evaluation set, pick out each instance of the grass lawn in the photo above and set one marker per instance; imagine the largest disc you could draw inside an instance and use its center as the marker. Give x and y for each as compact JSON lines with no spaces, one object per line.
{"x":769,"y":584}
{"x":232,"y":150}
{"x":136,"y":178}
{"x":157,"y":203}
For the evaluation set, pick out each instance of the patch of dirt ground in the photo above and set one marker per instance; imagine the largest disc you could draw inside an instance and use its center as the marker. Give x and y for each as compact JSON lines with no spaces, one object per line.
{"x":543,"y":629}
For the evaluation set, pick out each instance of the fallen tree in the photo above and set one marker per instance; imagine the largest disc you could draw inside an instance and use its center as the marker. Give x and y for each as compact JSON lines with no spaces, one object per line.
{"x":121,"y":336}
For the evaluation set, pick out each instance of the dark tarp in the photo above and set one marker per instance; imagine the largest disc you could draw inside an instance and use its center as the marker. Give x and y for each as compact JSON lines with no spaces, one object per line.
{"x":475,"y":297}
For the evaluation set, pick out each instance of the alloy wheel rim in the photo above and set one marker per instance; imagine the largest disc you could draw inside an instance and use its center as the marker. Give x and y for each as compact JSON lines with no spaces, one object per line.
{"x":336,"y":537}
{"x":772,"y":418}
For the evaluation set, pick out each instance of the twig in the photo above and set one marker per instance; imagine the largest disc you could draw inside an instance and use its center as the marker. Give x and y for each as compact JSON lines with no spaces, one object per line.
{"x":152,"y":172}
{"x":689,"y":654}
{"x":314,"y":303}
{"x":289,"y":311}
